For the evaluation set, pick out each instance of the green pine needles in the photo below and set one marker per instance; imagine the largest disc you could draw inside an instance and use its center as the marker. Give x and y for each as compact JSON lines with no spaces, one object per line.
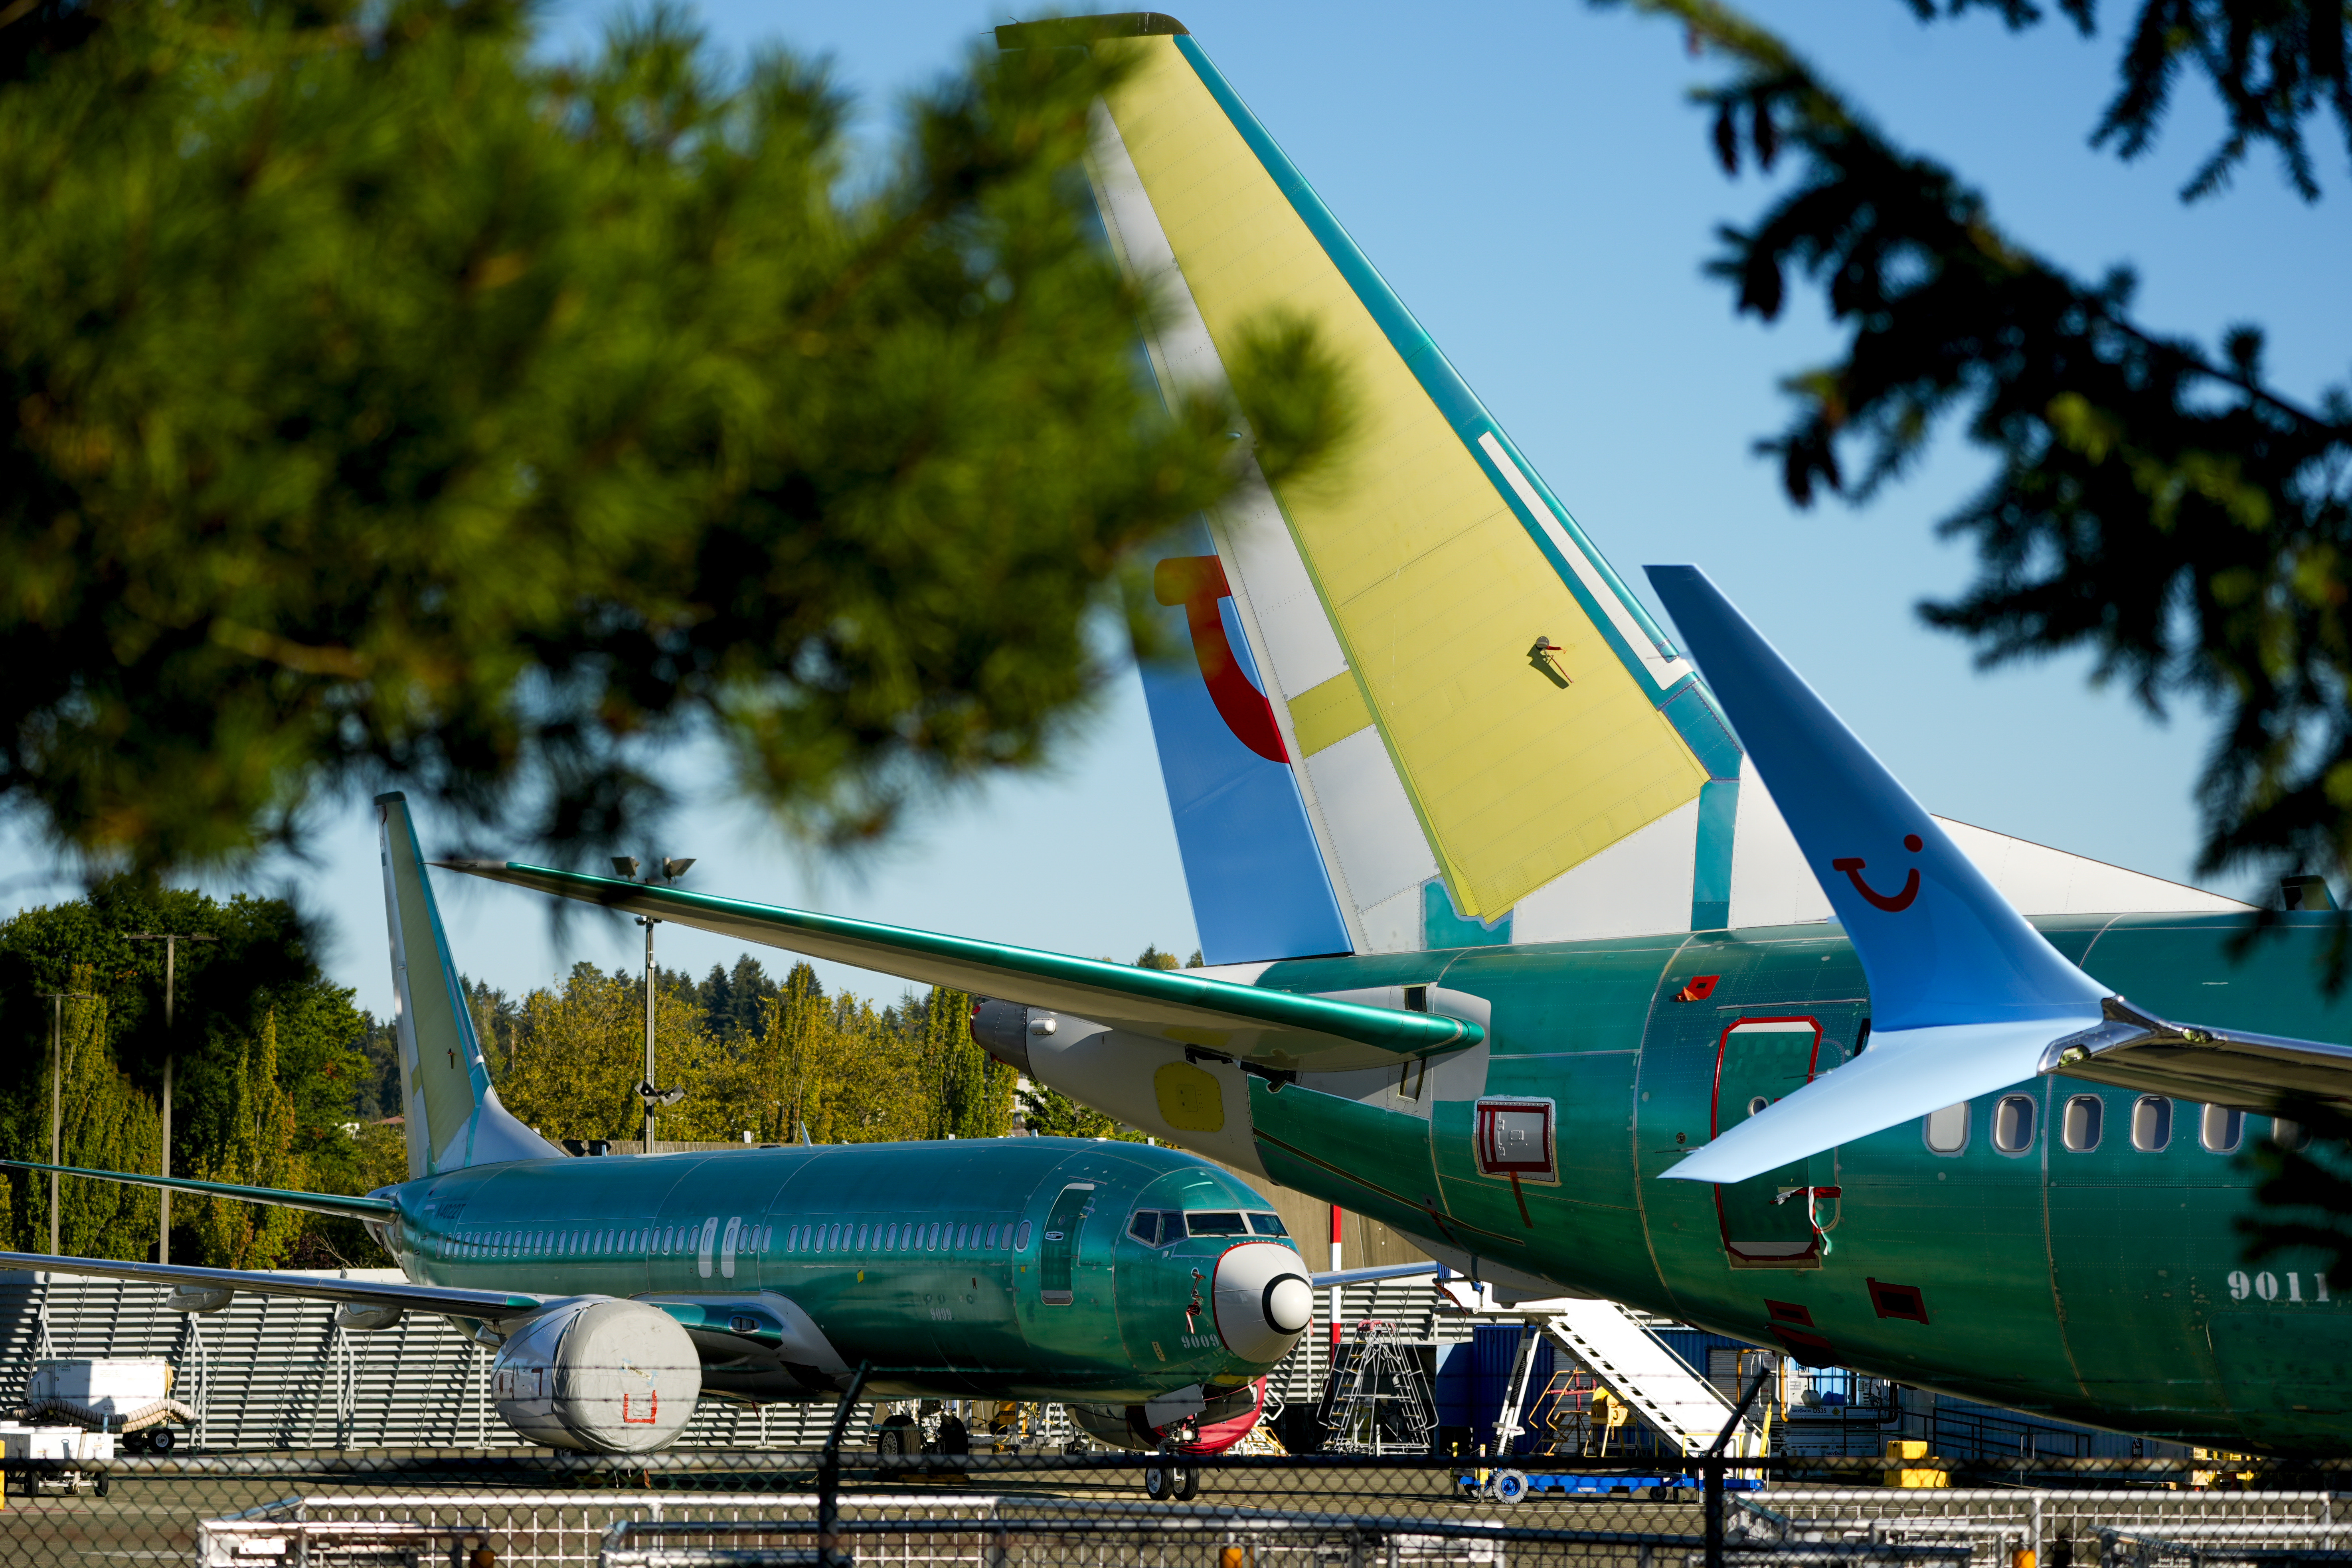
{"x":380,"y":402}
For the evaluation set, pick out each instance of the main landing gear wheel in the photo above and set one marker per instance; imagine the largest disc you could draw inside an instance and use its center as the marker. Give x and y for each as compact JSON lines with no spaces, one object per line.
{"x":891,"y":1439}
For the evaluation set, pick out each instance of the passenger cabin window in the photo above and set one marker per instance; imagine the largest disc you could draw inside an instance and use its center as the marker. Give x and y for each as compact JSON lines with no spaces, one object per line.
{"x":2289,"y":1135}
{"x":1021,"y":1238}
{"x":1267,"y":1225}
{"x":2220,"y":1128}
{"x":1215,"y":1222}
{"x":1947,"y":1129}
{"x":2085,"y":1113}
{"x":2151,"y":1124}
{"x":2013,"y":1124}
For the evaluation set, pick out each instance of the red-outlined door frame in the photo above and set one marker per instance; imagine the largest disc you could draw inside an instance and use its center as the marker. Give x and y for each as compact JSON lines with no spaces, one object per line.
{"x":1714,"y":1128}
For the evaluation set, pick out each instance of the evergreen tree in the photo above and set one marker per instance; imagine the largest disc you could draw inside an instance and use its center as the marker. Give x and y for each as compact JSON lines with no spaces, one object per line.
{"x":2157,"y":503}
{"x":260,"y":1152}
{"x":970,"y":1090}
{"x":107,"y":1125}
{"x":259,"y":969}
{"x":426,"y":407}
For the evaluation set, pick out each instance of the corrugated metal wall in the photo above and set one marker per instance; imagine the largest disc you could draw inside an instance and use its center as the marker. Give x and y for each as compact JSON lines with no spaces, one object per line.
{"x":275,"y":1373}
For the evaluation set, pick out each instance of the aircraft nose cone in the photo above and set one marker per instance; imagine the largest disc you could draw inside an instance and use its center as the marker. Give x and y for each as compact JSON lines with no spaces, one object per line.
{"x":1263,"y":1300}
{"x":1290,"y":1304}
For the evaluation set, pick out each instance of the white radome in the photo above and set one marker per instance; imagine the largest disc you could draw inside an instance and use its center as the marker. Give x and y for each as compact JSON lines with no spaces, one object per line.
{"x":1263,"y":1300}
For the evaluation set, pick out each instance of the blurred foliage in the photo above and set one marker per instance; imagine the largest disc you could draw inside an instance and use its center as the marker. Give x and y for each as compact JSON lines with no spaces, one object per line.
{"x":2273,"y":66}
{"x":2158,"y":504}
{"x":383,"y":400}
{"x":2304,"y":1196}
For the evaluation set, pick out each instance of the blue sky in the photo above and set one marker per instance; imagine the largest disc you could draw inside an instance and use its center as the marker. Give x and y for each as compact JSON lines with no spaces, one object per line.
{"x":1534,"y":184}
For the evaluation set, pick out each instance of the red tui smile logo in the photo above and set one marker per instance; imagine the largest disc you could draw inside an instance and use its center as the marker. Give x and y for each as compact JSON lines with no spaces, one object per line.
{"x":1893,"y":903}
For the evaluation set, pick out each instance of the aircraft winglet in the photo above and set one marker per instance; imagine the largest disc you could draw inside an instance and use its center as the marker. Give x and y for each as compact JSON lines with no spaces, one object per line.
{"x":1965,"y":994}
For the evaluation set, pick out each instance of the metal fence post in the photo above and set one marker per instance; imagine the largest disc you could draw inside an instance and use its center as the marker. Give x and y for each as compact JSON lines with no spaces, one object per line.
{"x":1711,"y":1475}
{"x":1711,"y":1465}
{"x":828,"y":1478}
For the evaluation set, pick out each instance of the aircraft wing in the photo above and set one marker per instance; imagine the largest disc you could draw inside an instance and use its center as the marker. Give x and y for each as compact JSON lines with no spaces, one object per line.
{"x":336,"y":1203}
{"x":447,"y":1300}
{"x":1267,"y":1027}
{"x":2261,"y":1073}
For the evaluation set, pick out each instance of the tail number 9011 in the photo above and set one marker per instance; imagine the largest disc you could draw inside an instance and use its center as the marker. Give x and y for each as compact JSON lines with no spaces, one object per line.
{"x":2264,"y":1286}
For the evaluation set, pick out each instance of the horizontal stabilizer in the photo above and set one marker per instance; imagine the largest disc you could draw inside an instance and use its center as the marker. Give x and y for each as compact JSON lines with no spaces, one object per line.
{"x":316,"y":1202}
{"x":1905,"y":1073}
{"x":446,"y":1300}
{"x":1266,"y":1027}
{"x":1964,"y":996}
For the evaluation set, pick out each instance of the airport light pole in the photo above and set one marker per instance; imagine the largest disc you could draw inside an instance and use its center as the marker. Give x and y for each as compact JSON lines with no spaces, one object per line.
{"x":58,"y":1095}
{"x":671,"y":869}
{"x":170,"y":940}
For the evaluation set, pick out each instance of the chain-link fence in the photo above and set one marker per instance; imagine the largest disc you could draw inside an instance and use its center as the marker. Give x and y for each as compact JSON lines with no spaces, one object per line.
{"x":420,"y":1508}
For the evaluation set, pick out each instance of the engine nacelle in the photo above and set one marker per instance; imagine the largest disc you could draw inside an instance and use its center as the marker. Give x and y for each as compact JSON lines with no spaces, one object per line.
{"x":598,"y":1374}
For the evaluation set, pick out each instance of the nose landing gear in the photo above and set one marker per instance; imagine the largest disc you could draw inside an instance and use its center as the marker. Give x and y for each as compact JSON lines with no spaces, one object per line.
{"x":1168,"y":1476}
{"x":1165,"y":1480}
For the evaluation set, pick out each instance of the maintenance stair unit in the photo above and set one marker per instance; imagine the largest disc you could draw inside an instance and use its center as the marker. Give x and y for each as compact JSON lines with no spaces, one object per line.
{"x":1686,"y":1411}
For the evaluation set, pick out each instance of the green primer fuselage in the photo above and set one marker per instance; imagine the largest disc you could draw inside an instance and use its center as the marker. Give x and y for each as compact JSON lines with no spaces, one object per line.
{"x":938,"y":1262}
{"x":2109,"y":1287}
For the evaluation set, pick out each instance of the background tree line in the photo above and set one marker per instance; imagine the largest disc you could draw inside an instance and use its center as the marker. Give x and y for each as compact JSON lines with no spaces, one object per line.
{"x":282,"y":1081}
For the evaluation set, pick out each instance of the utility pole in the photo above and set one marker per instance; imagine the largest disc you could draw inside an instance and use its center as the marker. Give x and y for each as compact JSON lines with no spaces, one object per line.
{"x":57,"y":1096}
{"x":170,"y":940}
{"x":652,"y":1095}
{"x":671,"y":869}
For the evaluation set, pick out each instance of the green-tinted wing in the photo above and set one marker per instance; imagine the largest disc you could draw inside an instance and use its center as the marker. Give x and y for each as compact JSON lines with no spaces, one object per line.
{"x":331,"y":1203}
{"x":446,"y":1300}
{"x":1270,"y":1028}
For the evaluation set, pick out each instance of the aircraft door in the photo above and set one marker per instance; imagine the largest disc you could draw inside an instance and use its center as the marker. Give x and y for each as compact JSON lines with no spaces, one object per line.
{"x":1058,"y":1253}
{"x":1765,"y":1219}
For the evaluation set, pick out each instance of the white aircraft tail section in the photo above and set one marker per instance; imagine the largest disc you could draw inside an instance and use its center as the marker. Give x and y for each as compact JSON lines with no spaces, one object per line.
{"x":452,"y":1115}
{"x":1419,"y":709}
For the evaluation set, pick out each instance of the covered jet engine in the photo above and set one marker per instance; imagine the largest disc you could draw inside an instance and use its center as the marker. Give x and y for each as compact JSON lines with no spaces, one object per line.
{"x":598,"y":1374}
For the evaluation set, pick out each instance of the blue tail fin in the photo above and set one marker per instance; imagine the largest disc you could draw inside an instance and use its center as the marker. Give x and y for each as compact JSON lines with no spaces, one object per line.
{"x":1965,"y":994}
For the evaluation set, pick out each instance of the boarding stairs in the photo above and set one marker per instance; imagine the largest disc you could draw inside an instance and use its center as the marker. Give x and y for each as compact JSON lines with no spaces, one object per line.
{"x":1684,"y":1408}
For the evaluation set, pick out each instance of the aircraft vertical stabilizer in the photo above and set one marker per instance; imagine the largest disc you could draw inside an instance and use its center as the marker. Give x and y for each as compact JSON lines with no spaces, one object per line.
{"x":1420,"y":710}
{"x":1966,"y":996}
{"x":452,"y":1115}
{"x":1426,"y":713}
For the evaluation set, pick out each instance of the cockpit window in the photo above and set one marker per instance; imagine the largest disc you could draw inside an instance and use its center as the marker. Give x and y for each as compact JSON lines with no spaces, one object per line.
{"x":1267,"y":1225}
{"x":1215,"y":1222}
{"x":1145,"y":1226}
